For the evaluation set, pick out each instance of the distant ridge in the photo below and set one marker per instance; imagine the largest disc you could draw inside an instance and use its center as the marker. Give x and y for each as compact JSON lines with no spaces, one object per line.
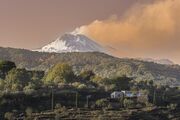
{"x":159,"y":61}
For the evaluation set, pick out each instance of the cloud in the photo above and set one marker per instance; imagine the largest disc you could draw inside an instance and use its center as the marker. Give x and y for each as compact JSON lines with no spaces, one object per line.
{"x":145,"y":30}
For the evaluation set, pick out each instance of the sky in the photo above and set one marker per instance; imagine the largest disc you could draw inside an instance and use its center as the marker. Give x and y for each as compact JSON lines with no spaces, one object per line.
{"x":127,"y":28}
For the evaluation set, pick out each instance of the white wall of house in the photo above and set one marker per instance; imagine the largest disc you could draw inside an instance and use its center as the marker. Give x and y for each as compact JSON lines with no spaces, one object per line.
{"x":123,"y":93}
{"x":116,"y":94}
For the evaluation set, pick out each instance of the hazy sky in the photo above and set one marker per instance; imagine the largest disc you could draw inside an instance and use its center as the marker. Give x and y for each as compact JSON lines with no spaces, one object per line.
{"x":133,"y":28}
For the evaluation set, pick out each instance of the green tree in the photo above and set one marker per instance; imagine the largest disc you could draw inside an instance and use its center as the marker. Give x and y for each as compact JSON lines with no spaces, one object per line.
{"x":2,"y":84}
{"x":118,"y":83}
{"x":60,"y":73}
{"x":86,"y":75}
{"x":36,"y":77}
{"x":16,"y":79}
{"x":97,"y":80}
{"x":5,"y":67}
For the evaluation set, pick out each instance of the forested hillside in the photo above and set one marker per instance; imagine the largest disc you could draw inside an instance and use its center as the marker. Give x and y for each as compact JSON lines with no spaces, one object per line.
{"x":102,"y":64}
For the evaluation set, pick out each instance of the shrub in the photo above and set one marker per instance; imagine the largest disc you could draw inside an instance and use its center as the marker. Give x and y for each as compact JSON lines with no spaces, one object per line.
{"x":102,"y":103}
{"x":129,"y":103}
{"x":172,"y":106}
{"x":57,"y":116}
{"x":76,"y":84}
{"x":100,"y":117}
{"x":58,"y":105}
{"x":29,"y":111}
{"x":79,"y":85}
{"x":8,"y":116}
{"x":82,"y":86}
{"x":29,"y":89}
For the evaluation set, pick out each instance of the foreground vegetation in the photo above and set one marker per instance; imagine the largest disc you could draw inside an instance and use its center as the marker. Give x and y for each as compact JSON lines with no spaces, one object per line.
{"x":131,"y":114}
{"x":27,"y":93}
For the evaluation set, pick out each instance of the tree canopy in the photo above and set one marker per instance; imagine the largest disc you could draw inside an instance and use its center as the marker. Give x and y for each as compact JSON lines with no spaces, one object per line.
{"x":6,"y":66}
{"x":60,"y":73}
{"x":16,"y":79}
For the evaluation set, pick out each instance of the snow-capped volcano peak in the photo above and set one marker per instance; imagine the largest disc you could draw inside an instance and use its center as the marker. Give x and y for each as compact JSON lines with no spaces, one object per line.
{"x":71,"y":42}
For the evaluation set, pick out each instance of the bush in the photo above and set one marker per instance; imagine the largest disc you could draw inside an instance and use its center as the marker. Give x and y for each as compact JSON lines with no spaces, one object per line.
{"x":79,"y":85}
{"x":1,"y":84}
{"x":57,"y":116}
{"x":60,"y":109}
{"x":102,"y":103}
{"x":172,"y":106}
{"x":129,"y":103}
{"x":29,"y":89}
{"x":100,"y":117}
{"x":82,"y":86}
{"x":58,"y":106}
{"x":29,"y":111}
{"x":8,"y":116}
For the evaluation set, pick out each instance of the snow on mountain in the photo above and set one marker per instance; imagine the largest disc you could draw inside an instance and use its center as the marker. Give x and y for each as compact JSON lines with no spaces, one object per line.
{"x":71,"y":42}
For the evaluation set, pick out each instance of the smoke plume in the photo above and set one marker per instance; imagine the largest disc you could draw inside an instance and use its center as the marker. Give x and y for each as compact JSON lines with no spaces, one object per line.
{"x":145,"y":30}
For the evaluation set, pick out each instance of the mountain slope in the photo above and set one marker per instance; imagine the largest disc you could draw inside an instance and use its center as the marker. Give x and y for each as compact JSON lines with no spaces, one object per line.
{"x":72,"y":43}
{"x":159,"y":61}
{"x":102,"y":64}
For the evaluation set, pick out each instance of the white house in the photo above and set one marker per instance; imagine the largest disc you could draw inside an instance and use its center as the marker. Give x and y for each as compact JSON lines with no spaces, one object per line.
{"x":117,"y":94}
{"x":124,"y":93}
{"x":129,"y":94}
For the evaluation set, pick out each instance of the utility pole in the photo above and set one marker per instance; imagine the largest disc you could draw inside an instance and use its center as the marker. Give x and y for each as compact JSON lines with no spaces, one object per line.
{"x":76,"y":100}
{"x":52,"y":98}
{"x":154,"y":97}
{"x":87,"y":100}
{"x":164,"y":94}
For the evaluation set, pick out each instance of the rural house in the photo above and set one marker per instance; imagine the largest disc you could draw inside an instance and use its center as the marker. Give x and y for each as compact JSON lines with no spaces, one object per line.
{"x":117,"y":94}
{"x":124,"y":93}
